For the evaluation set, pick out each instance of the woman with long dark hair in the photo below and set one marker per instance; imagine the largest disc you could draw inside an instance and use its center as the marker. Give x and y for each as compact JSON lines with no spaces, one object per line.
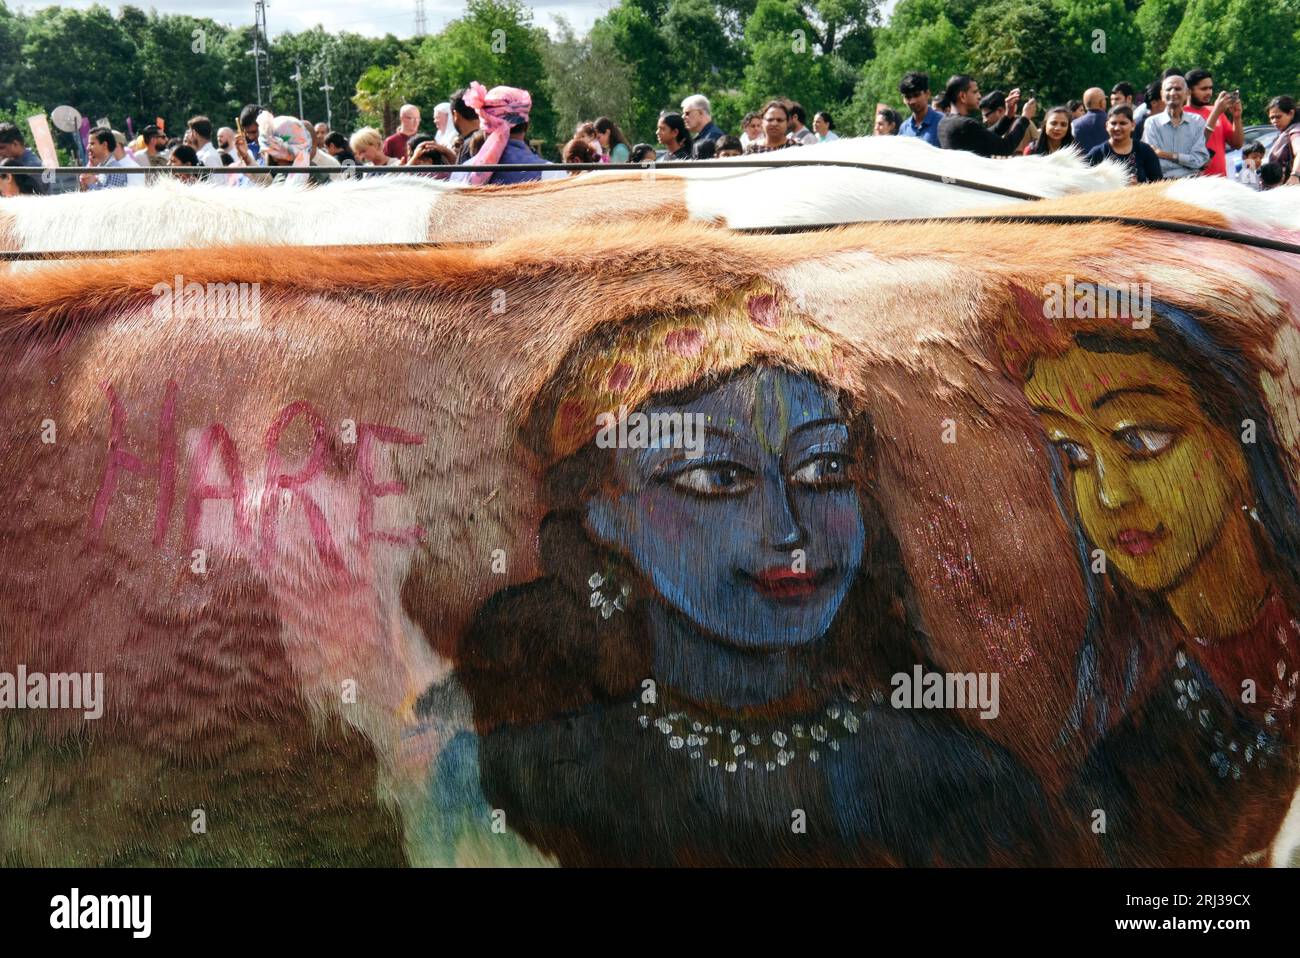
{"x":17,"y":184}
{"x":1188,"y":531}
{"x":1056,"y":133}
{"x":674,"y":136}
{"x":612,"y":141}
{"x":1285,"y":150}
{"x":701,"y":673}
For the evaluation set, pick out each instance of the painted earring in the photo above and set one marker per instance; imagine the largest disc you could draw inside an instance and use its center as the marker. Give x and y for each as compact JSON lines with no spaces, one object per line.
{"x":607,"y":595}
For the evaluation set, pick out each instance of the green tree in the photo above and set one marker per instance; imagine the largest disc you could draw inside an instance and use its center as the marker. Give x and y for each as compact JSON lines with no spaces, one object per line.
{"x":912,"y":15}
{"x":495,"y":43}
{"x":587,"y":78}
{"x":1156,"y":22}
{"x":1020,"y":43}
{"x":844,"y":27}
{"x":1102,"y":46}
{"x":381,"y":91}
{"x":633,"y":31}
{"x":702,"y":56}
{"x":12,"y":29}
{"x":344,"y":58}
{"x":935,"y":47}
{"x":182,"y":69}
{"x":83,"y":58}
{"x":1245,"y":46}
{"x":783,"y":60}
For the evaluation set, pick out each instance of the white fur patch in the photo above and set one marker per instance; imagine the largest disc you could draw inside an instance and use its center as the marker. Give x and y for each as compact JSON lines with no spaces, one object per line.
{"x":1243,"y":206}
{"x":389,"y":209}
{"x":793,"y":195}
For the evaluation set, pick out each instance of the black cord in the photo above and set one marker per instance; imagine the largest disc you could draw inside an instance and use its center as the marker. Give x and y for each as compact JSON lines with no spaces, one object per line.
{"x":1169,"y":226}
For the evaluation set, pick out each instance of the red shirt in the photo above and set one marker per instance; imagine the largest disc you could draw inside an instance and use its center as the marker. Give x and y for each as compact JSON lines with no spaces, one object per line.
{"x":1217,"y":165}
{"x":395,"y":145}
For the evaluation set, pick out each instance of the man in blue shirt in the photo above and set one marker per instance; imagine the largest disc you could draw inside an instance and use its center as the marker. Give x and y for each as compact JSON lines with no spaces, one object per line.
{"x":12,"y":146}
{"x":924,"y":121}
{"x":101,"y":146}
{"x":1090,"y":129}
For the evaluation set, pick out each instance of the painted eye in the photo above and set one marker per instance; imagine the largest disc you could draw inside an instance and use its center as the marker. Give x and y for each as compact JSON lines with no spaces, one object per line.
{"x":720,"y":479}
{"x":828,"y":469}
{"x":1075,"y":454}
{"x":1145,"y":443}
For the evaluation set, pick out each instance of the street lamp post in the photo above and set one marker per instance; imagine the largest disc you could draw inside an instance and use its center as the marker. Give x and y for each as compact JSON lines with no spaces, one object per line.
{"x":329,"y":113}
{"x":297,"y":78}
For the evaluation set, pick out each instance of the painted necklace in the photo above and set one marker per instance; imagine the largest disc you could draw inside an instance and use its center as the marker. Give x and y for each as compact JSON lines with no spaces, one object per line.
{"x":728,"y":747}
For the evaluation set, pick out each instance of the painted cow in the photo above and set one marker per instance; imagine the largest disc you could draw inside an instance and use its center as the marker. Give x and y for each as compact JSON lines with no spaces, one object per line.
{"x":941,"y":543}
{"x":394,"y":209}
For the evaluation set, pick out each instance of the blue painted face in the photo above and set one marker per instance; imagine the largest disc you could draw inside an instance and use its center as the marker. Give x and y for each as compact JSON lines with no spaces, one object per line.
{"x":758,"y":539}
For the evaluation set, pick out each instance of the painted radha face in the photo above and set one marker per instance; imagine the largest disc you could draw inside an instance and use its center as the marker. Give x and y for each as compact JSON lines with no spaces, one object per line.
{"x":1154,"y":481}
{"x":758,"y":539}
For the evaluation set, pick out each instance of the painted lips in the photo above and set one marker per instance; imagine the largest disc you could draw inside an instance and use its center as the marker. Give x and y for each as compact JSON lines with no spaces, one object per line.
{"x":784,"y":584}
{"x":1137,"y":543}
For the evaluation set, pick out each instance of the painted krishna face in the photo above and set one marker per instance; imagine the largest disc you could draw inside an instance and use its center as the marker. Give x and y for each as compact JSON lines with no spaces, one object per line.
{"x":1154,"y":481}
{"x":758,"y":539}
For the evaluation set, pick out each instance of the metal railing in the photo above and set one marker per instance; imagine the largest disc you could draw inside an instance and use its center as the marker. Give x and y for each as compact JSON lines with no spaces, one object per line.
{"x":355,"y":170}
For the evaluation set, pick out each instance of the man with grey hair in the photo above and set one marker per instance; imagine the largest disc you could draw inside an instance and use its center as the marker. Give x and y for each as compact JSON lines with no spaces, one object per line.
{"x":409,"y":118}
{"x":698,"y":116}
{"x":1177,"y":136}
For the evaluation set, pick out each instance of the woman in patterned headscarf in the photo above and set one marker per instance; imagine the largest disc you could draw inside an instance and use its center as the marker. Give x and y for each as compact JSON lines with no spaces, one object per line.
{"x":503,"y":116}
{"x":283,"y":141}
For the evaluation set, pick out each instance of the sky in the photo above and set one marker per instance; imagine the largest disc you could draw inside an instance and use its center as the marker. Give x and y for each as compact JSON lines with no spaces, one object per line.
{"x":368,"y":17}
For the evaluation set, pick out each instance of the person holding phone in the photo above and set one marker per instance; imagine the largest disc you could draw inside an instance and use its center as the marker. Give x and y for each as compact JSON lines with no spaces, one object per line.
{"x":1223,"y":129}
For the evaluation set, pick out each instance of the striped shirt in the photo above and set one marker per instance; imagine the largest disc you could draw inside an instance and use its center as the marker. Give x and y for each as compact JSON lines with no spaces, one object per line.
{"x":109,"y":180}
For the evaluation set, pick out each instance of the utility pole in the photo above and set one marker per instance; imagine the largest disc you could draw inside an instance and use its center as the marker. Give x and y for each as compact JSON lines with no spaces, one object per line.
{"x":297,"y":78}
{"x":329,"y":113}
{"x":260,"y":48}
{"x":419,"y":18}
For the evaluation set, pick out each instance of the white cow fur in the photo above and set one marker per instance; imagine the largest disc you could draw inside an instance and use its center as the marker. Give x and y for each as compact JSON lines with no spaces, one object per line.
{"x":393,"y":209}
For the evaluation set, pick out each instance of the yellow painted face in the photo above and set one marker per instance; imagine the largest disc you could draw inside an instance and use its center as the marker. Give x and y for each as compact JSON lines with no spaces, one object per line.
{"x":1154,"y":481}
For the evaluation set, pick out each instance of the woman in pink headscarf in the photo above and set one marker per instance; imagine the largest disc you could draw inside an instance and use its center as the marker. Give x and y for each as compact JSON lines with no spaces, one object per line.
{"x":503,"y":116}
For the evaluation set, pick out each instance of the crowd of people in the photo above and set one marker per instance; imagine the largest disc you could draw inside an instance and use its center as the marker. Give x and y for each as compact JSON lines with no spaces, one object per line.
{"x":1179,"y":128}
{"x":1175,"y":128}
